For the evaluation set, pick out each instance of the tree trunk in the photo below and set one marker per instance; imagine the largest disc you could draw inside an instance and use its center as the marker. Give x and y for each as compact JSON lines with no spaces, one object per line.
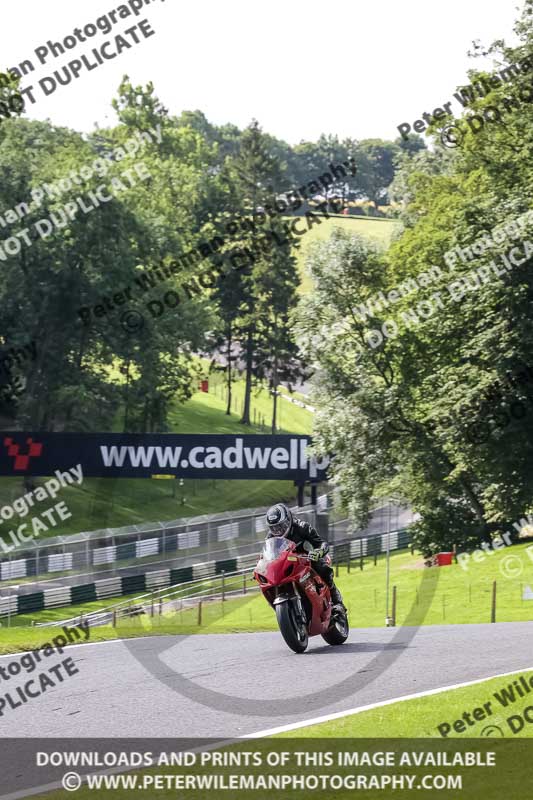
{"x":248,"y":387}
{"x":127,"y":397}
{"x":275,"y":385}
{"x":228,"y":369}
{"x":274,"y":410}
{"x":144,"y":419}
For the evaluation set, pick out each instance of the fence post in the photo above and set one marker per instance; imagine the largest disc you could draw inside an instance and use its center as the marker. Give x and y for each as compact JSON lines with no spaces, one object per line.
{"x":336,"y":569}
{"x":393,"y":613}
{"x":200,"y":613}
{"x":223,"y":585}
{"x":493,"y":604}
{"x":114,"y":619}
{"x":244,"y":582}
{"x":152,"y":609}
{"x":361,"y":558}
{"x":375,"y":557}
{"x":348,"y":563}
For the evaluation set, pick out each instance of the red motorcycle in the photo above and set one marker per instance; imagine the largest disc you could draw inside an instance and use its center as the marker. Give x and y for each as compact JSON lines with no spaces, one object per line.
{"x":300,"y":598}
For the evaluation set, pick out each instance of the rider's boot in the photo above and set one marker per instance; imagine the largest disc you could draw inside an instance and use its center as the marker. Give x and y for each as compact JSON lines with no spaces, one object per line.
{"x":336,"y":599}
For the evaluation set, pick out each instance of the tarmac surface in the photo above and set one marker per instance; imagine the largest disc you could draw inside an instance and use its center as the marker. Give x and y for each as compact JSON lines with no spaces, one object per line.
{"x":226,"y":685}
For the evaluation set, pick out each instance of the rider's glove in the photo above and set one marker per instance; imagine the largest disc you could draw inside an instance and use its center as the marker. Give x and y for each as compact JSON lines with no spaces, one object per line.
{"x":316,"y":554}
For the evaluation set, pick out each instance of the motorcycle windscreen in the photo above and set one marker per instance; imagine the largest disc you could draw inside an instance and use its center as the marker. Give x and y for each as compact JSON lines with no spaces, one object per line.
{"x":273,"y":547}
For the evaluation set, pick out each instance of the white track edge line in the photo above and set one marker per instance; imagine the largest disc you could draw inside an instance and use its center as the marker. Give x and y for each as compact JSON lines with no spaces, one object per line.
{"x":86,"y":643}
{"x":352,"y":711}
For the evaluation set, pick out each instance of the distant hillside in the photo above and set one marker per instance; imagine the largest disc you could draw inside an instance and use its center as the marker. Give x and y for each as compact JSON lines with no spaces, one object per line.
{"x":379,"y":229}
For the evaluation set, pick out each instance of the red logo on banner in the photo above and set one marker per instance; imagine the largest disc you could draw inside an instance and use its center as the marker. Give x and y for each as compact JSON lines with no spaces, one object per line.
{"x":22,"y":461}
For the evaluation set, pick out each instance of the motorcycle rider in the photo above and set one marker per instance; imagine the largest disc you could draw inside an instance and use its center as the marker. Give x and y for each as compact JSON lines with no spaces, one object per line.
{"x":280,"y":522}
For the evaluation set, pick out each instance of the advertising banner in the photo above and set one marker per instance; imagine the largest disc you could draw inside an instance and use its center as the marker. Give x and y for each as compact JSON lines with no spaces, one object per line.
{"x":276,"y":457}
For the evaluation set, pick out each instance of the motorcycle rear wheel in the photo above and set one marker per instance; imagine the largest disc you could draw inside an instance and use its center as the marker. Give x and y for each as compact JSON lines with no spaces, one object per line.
{"x":338,"y":632}
{"x":295,"y":634}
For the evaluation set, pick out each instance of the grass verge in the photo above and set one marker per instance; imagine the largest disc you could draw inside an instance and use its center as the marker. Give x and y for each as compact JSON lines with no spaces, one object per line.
{"x":425,"y":596}
{"x":449,"y":714}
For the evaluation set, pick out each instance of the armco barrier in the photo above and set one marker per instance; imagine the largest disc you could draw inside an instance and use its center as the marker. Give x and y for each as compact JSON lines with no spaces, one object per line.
{"x":180,"y":543}
{"x":162,"y":578}
{"x":211,"y":537}
{"x":371,"y":545}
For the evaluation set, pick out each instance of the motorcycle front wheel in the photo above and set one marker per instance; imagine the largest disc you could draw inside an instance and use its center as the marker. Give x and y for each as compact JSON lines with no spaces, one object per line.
{"x":293,"y":631}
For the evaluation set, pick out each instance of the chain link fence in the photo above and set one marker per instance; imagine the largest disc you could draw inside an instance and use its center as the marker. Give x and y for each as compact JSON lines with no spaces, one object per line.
{"x":66,"y":560}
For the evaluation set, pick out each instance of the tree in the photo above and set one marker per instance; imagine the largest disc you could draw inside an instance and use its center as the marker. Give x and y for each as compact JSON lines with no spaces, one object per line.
{"x":170,"y":204}
{"x":138,"y":107}
{"x":252,"y":172}
{"x":86,"y":371}
{"x":411,"y":145}
{"x":277,"y":358}
{"x":230,"y":295}
{"x":44,"y":284}
{"x":375,"y":168}
{"x":397,"y":415}
{"x":311,"y":159}
{"x":412,"y":169}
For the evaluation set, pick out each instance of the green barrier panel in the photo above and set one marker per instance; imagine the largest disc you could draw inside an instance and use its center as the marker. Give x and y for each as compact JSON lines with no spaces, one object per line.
{"x":228,"y":565}
{"x":181,"y":575}
{"x":30,"y":602}
{"x":85,"y":593}
{"x":133,"y":583}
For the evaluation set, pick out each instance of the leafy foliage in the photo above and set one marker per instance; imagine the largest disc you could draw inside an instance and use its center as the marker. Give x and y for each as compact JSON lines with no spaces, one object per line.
{"x":394,"y":415}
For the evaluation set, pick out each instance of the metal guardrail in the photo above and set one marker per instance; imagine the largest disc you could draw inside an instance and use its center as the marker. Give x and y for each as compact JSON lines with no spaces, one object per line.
{"x":159,"y":598}
{"x":164,"y":599}
{"x":209,"y":538}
